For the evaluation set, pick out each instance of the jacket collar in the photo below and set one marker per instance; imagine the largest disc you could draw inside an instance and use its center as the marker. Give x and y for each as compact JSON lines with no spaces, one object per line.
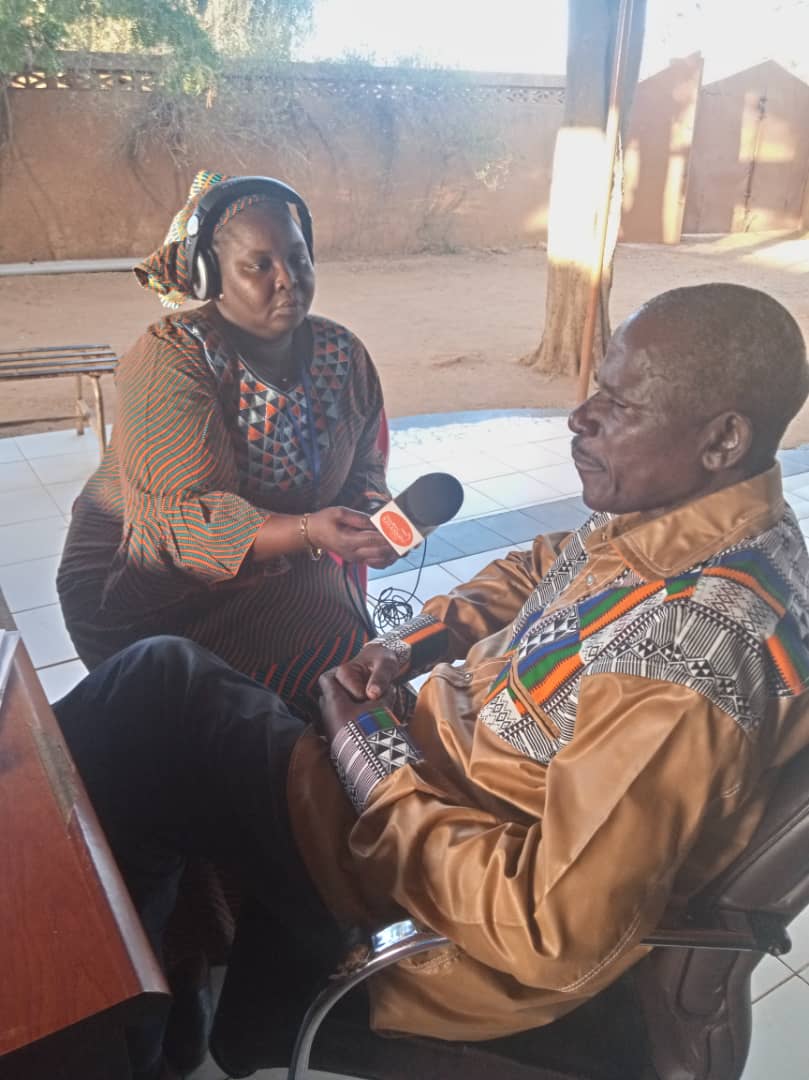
{"x":670,"y":543}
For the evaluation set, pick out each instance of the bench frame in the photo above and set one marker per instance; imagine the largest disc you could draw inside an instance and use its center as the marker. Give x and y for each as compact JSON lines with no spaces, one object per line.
{"x":54,"y":361}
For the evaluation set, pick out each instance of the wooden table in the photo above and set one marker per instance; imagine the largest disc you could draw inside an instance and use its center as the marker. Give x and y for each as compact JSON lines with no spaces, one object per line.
{"x":75,"y":966}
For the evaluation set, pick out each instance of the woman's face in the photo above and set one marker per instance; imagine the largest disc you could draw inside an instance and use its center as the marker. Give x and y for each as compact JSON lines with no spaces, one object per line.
{"x":268,"y":281}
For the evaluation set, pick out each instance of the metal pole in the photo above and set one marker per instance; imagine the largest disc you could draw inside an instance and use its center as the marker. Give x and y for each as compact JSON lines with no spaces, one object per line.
{"x":611,"y":136}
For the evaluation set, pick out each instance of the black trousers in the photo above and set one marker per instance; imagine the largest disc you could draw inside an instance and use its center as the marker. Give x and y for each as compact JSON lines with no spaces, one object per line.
{"x":181,"y":755}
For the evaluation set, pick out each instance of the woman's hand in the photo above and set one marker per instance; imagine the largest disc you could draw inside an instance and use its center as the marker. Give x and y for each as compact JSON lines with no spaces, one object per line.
{"x":350,"y":534}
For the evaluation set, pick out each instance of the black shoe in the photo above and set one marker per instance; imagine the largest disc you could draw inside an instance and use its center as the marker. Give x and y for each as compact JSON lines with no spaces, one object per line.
{"x":185,"y":1043}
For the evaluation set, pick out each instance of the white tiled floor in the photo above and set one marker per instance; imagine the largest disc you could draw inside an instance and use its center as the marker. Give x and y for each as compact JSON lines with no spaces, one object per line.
{"x":16,"y":476}
{"x":32,"y":539}
{"x":465,"y":569}
{"x":29,"y":584}
{"x":780,"y":1045}
{"x":562,"y":478}
{"x":45,"y":636}
{"x":514,"y":490}
{"x":28,"y":504}
{"x":432,"y":581}
{"x":62,"y":468}
{"x":532,"y":455}
{"x":41,"y":474}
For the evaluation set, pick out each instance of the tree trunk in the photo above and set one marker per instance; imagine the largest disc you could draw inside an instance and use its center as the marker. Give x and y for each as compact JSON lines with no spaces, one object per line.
{"x":577,"y":187}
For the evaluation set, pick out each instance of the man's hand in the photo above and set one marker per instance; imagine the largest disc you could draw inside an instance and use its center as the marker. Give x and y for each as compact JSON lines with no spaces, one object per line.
{"x":337,"y":706}
{"x":350,"y":534}
{"x":371,"y":673}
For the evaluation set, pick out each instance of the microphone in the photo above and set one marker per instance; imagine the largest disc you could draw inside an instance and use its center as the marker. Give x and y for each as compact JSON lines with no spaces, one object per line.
{"x":428,"y":502}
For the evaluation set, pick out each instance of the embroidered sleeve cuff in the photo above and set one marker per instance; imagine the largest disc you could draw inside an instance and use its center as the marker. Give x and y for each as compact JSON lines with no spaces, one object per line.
{"x":419,"y":644}
{"x":369,"y":749}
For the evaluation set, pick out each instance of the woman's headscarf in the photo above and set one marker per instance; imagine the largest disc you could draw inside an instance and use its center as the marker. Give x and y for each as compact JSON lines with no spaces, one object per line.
{"x":166,"y":270}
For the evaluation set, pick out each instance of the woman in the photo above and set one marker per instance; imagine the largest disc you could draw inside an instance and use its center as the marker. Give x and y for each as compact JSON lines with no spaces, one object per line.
{"x":245,"y":446}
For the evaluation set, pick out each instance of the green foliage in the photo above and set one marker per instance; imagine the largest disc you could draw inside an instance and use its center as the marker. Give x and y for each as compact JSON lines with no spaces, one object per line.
{"x":32,"y":33}
{"x":191,"y":36}
{"x":268,"y":28}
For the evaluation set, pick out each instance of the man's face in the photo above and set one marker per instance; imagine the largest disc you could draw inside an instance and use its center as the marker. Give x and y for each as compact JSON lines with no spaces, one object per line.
{"x":634,"y":448}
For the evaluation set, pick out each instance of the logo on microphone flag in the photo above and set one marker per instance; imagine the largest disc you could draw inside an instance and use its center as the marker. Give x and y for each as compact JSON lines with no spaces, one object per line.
{"x":397,"y":528}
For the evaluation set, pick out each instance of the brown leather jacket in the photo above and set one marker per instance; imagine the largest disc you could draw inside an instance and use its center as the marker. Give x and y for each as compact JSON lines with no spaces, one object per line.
{"x":605,"y":749}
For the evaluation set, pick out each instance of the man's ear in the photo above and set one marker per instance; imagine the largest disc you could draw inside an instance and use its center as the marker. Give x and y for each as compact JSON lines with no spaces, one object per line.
{"x":727,"y":441}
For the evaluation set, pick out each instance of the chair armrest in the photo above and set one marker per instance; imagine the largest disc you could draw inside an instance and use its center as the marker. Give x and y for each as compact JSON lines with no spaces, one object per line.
{"x":725,"y":928}
{"x":721,"y":928}
{"x":387,"y":946}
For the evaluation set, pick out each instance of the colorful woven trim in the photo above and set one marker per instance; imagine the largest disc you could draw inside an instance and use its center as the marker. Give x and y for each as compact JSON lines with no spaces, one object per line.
{"x":786,"y":646}
{"x":545,"y":668}
{"x":553,"y":661}
{"x":369,"y":749}
{"x":427,"y":639}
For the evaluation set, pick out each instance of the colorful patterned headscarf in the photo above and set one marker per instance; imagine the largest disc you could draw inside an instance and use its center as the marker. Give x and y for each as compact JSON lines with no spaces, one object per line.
{"x":166,"y":270}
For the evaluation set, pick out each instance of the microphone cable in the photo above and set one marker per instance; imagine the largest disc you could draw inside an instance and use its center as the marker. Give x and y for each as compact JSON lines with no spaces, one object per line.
{"x":393,"y":607}
{"x":351,"y":577}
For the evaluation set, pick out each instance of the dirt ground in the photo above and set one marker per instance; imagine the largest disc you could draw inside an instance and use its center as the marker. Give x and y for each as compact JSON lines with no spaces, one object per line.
{"x":446,"y":332}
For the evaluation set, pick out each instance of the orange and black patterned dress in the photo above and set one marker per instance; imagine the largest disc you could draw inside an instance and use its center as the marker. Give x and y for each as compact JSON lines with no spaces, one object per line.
{"x":201,"y":452}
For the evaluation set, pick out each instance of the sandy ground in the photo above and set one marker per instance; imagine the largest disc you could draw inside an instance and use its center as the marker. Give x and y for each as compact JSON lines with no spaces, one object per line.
{"x":446,"y":332}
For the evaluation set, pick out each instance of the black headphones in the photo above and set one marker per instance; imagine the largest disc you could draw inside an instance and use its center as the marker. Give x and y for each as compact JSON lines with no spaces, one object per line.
{"x":203,"y":265}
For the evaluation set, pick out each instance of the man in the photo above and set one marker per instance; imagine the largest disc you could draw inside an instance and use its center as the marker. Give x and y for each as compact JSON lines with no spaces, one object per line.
{"x":607,"y":746}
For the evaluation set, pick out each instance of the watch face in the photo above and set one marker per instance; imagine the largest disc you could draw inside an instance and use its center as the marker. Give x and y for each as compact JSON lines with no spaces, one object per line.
{"x":192,"y":228}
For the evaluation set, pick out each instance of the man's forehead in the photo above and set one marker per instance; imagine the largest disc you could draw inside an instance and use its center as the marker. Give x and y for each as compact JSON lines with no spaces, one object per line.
{"x":634,"y":360}
{"x":625,"y":351}
{"x":644,"y":329}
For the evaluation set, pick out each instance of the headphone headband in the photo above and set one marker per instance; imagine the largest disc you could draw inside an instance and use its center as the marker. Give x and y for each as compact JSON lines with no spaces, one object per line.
{"x":202,"y":260}
{"x":214,"y":202}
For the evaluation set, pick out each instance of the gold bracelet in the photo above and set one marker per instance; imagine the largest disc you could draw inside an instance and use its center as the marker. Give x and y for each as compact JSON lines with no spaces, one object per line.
{"x":314,"y":552}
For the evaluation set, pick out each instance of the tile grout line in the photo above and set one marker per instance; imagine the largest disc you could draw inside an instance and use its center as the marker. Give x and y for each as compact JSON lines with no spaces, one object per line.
{"x":58,"y":663}
{"x":789,"y":976}
{"x":37,"y":558}
{"x":34,"y":607}
{"x":32,"y":521}
{"x":802,"y":971}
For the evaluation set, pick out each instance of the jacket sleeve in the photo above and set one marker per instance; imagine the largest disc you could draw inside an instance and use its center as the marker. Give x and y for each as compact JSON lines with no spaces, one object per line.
{"x":553,"y":898}
{"x":185,"y":524}
{"x":366,"y":487}
{"x":450,"y":625}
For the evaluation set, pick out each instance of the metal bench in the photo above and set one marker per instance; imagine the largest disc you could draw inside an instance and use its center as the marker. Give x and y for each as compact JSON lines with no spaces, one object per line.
{"x":55,"y":360}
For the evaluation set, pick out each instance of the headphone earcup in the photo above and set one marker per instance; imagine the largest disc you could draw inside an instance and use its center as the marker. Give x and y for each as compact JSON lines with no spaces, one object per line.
{"x":205,"y":280}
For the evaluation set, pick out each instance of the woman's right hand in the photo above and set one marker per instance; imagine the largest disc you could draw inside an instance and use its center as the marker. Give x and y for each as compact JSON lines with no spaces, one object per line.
{"x":349,"y":534}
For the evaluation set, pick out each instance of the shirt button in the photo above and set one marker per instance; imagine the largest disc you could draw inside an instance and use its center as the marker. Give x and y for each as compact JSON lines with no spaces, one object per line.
{"x":590,"y":579}
{"x":468,"y":676}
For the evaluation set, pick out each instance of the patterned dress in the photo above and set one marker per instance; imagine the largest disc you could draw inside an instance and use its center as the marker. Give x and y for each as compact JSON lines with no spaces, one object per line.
{"x":160,"y":539}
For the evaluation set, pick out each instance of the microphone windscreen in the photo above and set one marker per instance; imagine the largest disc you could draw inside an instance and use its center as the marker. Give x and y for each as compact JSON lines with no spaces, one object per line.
{"x":431,"y":500}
